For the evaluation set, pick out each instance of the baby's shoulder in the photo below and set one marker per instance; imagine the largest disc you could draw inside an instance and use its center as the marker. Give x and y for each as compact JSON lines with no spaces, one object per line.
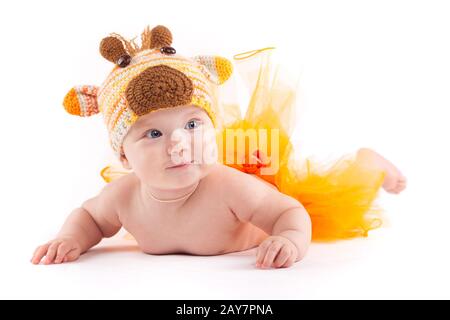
{"x":232,"y":180}
{"x":112,"y":199}
{"x":242,"y":192}
{"x":221,"y":174}
{"x":120,"y":189}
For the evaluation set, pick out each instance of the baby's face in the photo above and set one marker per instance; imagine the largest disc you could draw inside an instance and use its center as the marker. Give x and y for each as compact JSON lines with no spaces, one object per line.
{"x":162,"y":139}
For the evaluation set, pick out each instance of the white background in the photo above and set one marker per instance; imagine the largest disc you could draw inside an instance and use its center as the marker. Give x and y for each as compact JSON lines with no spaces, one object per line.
{"x":373,"y":74}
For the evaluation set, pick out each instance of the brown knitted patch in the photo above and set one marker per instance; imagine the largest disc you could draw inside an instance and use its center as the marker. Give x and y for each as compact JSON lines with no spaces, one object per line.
{"x":160,"y":37}
{"x":111,"y":48}
{"x":158,"y":87}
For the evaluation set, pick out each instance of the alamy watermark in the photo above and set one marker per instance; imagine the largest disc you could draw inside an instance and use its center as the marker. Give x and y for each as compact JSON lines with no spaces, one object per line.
{"x":207,"y":146}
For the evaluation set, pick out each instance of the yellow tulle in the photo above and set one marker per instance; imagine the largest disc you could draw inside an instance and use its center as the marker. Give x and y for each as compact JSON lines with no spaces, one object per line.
{"x":339,"y":196}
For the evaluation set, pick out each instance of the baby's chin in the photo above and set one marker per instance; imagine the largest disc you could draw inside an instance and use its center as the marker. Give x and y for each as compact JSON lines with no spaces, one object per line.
{"x":171,"y":178}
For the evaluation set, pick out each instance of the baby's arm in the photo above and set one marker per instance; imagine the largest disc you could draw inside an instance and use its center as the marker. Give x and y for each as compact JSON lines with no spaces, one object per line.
{"x":83,"y":229}
{"x":279,"y":215}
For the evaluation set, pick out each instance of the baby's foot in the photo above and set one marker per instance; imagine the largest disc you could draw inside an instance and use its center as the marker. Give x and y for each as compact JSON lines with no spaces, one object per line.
{"x":394,"y":180}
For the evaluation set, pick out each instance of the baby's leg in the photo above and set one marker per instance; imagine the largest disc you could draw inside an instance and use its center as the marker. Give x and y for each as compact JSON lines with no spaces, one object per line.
{"x":394,"y":180}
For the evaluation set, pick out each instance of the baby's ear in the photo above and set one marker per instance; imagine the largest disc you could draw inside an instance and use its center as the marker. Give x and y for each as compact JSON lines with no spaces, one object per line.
{"x":217,"y":69}
{"x":81,"y":101}
{"x":124,"y":161}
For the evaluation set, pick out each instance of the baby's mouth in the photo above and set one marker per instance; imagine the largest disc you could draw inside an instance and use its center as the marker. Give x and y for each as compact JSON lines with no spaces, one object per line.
{"x":182,"y":165}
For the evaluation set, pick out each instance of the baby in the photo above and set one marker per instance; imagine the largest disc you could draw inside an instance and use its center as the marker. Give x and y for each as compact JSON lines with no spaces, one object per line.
{"x":178,"y":199}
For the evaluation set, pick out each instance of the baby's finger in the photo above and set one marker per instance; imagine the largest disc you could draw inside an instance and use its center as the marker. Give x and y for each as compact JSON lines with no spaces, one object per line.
{"x":262,"y":252}
{"x":39,"y":253}
{"x":51,"y":252}
{"x":72,"y":255}
{"x":62,"y":251}
{"x":271,"y":254}
{"x":290,"y":261}
{"x":282,"y":256}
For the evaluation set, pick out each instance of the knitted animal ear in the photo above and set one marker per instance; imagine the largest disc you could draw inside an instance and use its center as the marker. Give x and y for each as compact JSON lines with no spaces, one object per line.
{"x":81,"y":101}
{"x":113,"y":49}
{"x":217,"y":69}
{"x":160,"y":36}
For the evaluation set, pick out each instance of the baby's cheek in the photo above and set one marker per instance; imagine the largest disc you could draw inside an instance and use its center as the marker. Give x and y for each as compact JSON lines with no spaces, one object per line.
{"x":209,"y":148}
{"x":148,"y":159}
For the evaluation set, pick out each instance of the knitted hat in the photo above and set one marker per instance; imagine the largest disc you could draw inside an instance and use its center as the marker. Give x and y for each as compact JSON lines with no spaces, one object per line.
{"x":146,"y":79}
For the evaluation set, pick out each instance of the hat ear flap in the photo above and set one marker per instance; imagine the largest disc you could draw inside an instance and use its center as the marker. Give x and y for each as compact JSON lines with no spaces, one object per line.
{"x":82,"y":101}
{"x":217,"y":69}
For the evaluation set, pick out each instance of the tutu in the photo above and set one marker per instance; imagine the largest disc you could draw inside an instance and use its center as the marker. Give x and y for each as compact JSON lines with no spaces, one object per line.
{"x":339,"y":196}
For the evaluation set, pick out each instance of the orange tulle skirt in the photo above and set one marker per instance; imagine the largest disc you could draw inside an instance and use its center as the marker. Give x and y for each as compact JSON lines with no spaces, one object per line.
{"x":339,"y":196}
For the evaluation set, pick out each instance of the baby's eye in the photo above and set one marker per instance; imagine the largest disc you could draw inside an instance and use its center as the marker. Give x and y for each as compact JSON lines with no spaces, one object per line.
{"x":192,"y":124}
{"x":153,"y":134}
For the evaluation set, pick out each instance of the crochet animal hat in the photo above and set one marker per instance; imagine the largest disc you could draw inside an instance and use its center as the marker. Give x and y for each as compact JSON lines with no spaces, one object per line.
{"x":145,"y":79}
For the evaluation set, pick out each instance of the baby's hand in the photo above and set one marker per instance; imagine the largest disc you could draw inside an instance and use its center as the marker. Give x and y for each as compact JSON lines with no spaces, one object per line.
{"x":57,"y":251}
{"x":276,"y":251}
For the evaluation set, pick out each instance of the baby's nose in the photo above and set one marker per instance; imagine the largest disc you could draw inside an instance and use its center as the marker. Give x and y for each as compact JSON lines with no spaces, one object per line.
{"x":179,"y":142}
